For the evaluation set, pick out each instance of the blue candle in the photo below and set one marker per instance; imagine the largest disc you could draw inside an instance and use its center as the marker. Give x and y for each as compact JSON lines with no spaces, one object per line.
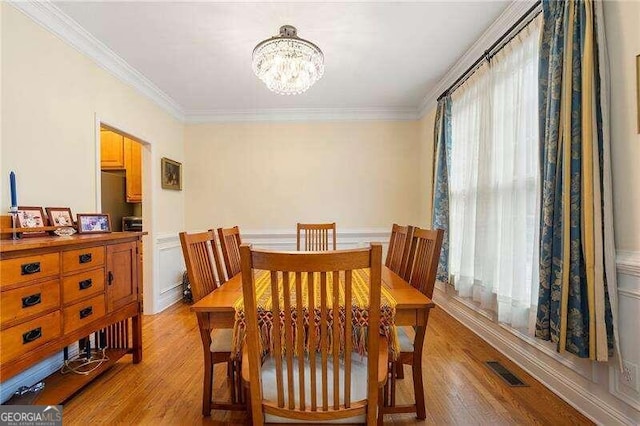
{"x":14,"y":194}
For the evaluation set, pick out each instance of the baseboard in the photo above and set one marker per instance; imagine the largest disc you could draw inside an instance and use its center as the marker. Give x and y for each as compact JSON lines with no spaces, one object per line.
{"x":602,"y":409}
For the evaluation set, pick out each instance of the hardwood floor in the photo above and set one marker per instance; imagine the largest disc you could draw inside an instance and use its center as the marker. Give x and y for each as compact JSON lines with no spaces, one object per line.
{"x":166,"y":388}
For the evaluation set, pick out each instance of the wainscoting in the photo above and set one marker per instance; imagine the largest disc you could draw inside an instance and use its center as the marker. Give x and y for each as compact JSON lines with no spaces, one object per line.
{"x":593,"y":388}
{"x":167,"y":289}
{"x":168,"y":273}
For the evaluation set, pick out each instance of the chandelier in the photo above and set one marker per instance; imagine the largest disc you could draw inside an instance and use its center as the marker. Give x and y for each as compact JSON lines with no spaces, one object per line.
{"x":287,"y":64}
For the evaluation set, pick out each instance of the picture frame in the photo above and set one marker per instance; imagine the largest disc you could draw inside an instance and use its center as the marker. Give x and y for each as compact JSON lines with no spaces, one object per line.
{"x":59,"y":216}
{"x":31,"y":217}
{"x":94,"y":223}
{"x":171,"y":174}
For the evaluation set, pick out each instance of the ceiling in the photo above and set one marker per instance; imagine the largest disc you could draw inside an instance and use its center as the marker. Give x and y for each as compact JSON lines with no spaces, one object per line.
{"x":377,"y":55}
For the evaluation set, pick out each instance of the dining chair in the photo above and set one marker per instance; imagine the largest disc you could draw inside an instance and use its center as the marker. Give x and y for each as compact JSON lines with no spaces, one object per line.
{"x":230,"y":243}
{"x":317,"y":385}
{"x":200,"y":255}
{"x":398,"y":252}
{"x":422,"y":265}
{"x":316,"y":236}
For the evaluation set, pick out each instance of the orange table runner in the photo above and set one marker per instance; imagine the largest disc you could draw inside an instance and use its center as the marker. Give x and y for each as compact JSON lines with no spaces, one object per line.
{"x":360,"y":304}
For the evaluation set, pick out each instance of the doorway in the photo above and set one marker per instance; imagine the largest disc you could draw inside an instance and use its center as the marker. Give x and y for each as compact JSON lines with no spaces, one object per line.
{"x":121,"y":179}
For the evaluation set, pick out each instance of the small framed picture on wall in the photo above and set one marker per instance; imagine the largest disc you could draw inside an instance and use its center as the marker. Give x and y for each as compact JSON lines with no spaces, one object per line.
{"x":171,"y":174}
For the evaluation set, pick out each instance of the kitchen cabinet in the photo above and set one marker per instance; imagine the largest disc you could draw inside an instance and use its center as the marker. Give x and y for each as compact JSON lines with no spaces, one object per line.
{"x":111,"y":150}
{"x":133,"y":170}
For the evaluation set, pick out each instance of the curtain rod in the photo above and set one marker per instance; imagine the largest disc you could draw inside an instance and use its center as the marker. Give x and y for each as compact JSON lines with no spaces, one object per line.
{"x":502,"y":41}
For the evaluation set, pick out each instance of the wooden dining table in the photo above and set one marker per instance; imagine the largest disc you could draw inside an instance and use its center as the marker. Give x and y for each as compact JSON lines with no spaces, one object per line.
{"x":216,"y":310}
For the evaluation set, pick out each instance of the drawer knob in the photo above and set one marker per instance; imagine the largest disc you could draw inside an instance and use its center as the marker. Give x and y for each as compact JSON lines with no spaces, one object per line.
{"x":31,"y":335}
{"x":32,"y":300}
{"x":85,"y":258}
{"x":86,"y":312}
{"x":30,"y":268}
{"x":85,"y":284}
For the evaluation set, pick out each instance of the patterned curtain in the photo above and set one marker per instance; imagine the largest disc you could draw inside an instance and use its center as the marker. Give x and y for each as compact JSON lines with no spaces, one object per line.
{"x":577,"y":281}
{"x":442,"y":159}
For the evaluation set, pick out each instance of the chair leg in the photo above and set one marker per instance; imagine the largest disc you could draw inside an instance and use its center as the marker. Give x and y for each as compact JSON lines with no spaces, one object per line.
{"x":399,"y":370}
{"x":418,"y":387}
{"x":380,"y":405}
{"x":207,"y":384}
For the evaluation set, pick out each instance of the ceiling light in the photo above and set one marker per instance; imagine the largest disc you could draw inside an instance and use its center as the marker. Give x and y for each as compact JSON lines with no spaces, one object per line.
{"x":287,"y":64}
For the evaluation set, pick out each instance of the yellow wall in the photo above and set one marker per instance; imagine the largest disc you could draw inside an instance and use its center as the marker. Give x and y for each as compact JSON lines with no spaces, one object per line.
{"x":50,"y":99}
{"x":272,"y":175}
{"x":425,"y":131}
{"x":51,"y":94}
{"x":622,"y":20}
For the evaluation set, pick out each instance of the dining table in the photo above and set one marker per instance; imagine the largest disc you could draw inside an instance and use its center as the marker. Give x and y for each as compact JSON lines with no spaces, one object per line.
{"x":217,"y":309}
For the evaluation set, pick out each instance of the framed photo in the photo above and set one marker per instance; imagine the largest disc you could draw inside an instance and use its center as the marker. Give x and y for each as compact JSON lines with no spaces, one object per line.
{"x":94,"y":223}
{"x":31,"y":217}
{"x":171,"y":174}
{"x":59,"y":216}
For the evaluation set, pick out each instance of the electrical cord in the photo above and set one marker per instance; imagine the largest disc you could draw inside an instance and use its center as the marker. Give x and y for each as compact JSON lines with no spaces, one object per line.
{"x":97,"y":357}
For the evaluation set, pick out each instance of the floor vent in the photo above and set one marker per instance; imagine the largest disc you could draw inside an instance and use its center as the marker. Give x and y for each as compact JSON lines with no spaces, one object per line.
{"x":506,"y":375}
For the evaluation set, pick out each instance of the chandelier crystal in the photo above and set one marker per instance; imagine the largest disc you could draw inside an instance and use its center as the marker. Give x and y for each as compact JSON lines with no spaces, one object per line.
{"x":287,"y":64}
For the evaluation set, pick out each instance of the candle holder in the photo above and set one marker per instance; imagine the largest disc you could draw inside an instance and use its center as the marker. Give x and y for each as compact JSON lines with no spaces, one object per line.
{"x":13,"y":211}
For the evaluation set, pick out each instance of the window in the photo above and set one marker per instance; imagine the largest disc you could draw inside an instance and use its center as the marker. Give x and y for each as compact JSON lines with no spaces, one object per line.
{"x":494,"y":181}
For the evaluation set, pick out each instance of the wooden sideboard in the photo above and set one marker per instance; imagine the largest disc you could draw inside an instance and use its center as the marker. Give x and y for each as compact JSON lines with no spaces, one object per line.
{"x":55,"y":291}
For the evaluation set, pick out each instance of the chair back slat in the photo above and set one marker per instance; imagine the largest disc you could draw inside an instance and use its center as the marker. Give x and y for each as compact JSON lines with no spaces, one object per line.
{"x":423,"y":259}
{"x":200,"y":257}
{"x":348,"y":344}
{"x":300,"y":339}
{"x":316,"y":236}
{"x":324,"y":342}
{"x":230,"y":243}
{"x":336,"y":338}
{"x":288,"y":325}
{"x":398,"y":252}
{"x":277,"y":345}
{"x":312,"y":338}
{"x":312,"y":283}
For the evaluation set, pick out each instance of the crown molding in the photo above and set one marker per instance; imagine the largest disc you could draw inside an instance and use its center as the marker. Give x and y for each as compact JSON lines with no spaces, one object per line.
{"x":49,"y":16}
{"x":301,"y":114}
{"x":511,"y":14}
{"x":56,"y":21}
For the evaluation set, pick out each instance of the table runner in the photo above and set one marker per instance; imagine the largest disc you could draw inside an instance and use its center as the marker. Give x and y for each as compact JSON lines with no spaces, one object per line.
{"x":360,"y":306}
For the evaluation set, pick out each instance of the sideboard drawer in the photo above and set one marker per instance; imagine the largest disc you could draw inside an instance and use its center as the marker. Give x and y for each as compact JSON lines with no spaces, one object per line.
{"x":78,"y":260}
{"x":27,"y":336}
{"x":75,"y":316}
{"x":29,"y":268}
{"x":29,"y":300}
{"x":81,"y":285}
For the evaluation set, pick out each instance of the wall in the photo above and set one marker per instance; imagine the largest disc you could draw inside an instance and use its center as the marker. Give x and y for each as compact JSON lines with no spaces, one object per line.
{"x":622,"y":21}
{"x":594,"y":388}
{"x":51,"y":97}
{"x":269,"y":176}
{"x":426,"y":133}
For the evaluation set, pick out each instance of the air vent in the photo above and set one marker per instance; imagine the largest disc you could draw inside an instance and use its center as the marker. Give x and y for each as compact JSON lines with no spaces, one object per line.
{"x":506,"y":375}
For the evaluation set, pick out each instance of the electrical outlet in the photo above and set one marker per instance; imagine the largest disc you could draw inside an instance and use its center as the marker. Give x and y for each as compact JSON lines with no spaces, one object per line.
{"x":629,"y":375}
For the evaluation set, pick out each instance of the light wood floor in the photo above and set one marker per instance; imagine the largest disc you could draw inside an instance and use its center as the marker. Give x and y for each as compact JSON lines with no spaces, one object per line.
{"x":165,"y":389}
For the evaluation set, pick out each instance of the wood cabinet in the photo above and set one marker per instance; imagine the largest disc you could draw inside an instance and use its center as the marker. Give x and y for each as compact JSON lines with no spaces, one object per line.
{"x":118,"y":152}
{"x":56,"y":291}
{"x":133,"y":167}
{"x":111,"y":150}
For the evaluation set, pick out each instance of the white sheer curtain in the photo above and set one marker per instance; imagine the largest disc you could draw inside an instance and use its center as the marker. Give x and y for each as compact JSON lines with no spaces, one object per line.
{"x":493,"y":182}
